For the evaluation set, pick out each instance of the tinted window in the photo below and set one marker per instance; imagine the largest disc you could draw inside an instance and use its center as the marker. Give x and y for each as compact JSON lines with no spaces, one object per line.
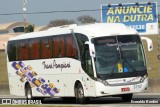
{"x":12,"y":47}
{"x":74,"y":49}
{"x":23,"y":50}
{"x":81,"y":39}
{"x":129,"y":39}
{"x":34,"y":47}
{"x":71,"y":48}
{"x":59,"y":46}
{"x":68,"y":46}
{"x":46,"y":47}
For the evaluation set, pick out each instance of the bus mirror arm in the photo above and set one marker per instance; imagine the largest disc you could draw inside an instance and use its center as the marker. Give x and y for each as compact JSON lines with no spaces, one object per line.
{"x":149,"y":43}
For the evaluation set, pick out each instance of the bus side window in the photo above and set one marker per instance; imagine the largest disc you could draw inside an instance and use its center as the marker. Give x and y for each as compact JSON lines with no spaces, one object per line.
{"x":58,"y":46}
{"x":74,"y":49}
{"x":81,"y":39}
{"x":34,"y":47}
{"x":71,"y":48}
{"x":68,"y":46}
{"x":12,"y":47}
{"x":23,"y":50}
{"x":46,"y":51}
{"x":61,"y":47}
{"x":55,"y":46}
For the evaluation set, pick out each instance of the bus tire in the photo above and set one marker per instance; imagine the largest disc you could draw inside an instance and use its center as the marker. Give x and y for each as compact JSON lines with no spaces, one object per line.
{"x":80,"y":98}
{"x":126,"y":97}
{"x":29,"y":92}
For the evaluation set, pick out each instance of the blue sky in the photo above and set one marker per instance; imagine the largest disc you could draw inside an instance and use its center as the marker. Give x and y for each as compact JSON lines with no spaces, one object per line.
{"x":15,"y":6}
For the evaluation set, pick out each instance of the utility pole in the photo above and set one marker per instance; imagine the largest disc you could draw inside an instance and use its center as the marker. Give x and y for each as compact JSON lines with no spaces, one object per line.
{"x":24,"y":12}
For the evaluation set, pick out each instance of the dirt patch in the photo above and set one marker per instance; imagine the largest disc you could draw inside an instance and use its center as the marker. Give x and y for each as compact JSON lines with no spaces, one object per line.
{"x":4,"y":89}
{"x":154,"y":86}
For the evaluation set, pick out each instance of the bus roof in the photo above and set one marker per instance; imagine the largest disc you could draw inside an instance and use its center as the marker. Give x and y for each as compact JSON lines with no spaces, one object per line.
{"x":90,"y":30}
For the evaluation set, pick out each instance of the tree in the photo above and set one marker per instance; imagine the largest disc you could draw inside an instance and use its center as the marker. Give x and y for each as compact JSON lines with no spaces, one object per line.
{"x":86,"y":19}
{"x":60,"y":22}
{"x":29,"y":28}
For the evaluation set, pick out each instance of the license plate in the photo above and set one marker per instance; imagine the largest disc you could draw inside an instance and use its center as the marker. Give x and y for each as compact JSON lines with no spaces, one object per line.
{"x":125,"y":89}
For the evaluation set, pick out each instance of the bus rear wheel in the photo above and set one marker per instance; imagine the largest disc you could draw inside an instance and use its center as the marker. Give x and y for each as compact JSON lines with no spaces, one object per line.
{"x":29,"y":92}
{"x":80,"y":98}
{"x":68,"y":99}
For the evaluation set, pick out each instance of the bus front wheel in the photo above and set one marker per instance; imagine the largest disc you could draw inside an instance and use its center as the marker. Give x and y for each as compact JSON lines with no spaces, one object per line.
{"x":80,"y":98}
{"x":126,"y":97}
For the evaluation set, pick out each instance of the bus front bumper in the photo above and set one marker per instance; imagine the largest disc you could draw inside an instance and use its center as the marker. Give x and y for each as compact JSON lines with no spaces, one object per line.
{"x":103,"y":90}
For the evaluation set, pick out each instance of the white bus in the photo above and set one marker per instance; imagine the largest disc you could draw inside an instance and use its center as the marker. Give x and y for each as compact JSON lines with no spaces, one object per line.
{"x":94,"y":60}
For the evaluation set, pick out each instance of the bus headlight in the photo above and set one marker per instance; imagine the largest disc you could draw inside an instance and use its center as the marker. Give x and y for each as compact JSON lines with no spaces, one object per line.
{"x":143,"y":78}
{"x":103,"y":82}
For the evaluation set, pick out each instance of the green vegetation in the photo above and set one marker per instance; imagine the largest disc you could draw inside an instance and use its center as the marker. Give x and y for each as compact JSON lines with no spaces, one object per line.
{"x":29,"y":28}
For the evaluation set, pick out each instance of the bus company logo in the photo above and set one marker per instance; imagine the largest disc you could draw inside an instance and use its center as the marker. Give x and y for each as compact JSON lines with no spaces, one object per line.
{"x":121,"y":44}
{"x":27,"y":74}
{"x":55,"y":65}
{"x":136,"y":79}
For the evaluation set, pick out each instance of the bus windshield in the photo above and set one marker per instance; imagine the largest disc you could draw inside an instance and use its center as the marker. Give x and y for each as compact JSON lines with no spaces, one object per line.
{"x":119,"y":55}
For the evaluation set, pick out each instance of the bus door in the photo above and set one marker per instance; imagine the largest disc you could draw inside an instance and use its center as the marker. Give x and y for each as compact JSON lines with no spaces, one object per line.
{"x":89,"y":71}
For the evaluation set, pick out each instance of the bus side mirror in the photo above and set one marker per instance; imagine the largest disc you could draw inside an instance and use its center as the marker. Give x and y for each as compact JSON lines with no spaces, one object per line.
{"x":91,"y":48}
{"x":149,"y":43}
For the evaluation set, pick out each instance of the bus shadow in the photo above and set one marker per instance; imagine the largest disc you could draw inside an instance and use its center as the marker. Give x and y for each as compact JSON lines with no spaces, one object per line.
{"x":103,"y":100}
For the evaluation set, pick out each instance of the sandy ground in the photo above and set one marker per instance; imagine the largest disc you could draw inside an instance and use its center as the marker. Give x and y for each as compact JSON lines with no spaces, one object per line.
{"x":4,"y":89}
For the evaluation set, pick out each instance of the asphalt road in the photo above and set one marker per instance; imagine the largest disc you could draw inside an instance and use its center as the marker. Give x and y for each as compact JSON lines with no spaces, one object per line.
{"x":140,"y":100}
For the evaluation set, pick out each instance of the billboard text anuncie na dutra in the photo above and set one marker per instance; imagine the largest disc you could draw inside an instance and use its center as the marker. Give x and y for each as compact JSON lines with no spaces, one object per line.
{"x":141,"y":16}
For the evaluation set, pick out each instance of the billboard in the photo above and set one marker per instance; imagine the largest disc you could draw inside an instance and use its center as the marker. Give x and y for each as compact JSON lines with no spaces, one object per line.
{"x":141,"y":16}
